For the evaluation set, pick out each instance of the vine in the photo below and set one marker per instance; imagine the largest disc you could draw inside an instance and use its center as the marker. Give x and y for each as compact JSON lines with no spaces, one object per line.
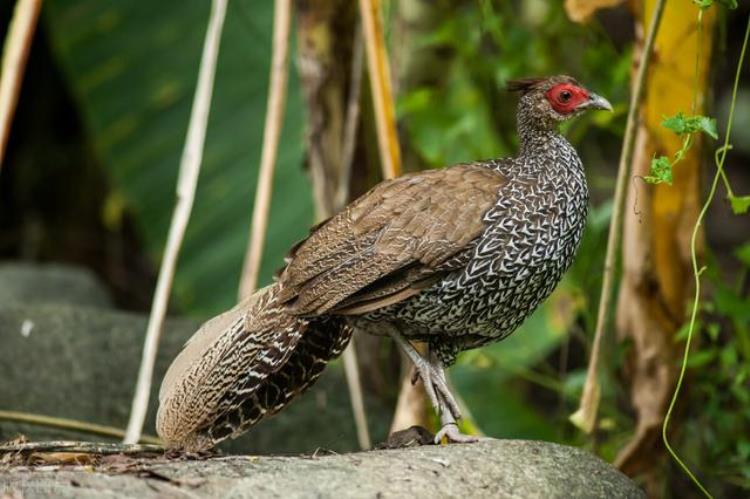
{"x":661,"y":172}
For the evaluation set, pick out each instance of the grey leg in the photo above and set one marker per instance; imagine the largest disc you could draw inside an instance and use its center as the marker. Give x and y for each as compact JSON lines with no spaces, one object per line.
{"x":422,"y":366}
{"x":441,"y":382}
{"x":436,"y":386}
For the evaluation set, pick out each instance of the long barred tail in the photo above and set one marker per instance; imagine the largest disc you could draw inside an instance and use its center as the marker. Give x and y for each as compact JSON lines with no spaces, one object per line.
{"x":240,"y":367}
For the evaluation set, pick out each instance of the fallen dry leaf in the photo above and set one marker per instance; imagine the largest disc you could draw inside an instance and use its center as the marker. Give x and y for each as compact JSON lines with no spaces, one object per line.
{"x":72,"y":458}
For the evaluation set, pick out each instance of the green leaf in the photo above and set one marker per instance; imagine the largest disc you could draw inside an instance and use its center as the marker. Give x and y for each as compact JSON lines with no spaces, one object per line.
{"x":133,"y":69}
{"x":700,"y":359}
{"x":729,"y":4}
{"x":731,"y":304}
{"x":708,"y":126}
{"x":740,"y":204}
{"x":661,"y":171}
{"x":712,"y":330}
{"x":743,"y":254}
{"x":703,"y":4}
{"x":728,"y":357}
{"x":681,"y":124}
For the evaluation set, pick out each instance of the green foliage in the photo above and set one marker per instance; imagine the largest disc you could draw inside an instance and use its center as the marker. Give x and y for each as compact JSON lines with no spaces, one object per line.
{"x":661,"y":171}
{"x":743,"y":254}
{"x":719,"y":431}
{"x":469,"y":115}
{"x":661,"y":166}
{"x":681,"y":125}
{"x":740,"y":204}
{"x":721,"y":299}
{"x":133,"y":67}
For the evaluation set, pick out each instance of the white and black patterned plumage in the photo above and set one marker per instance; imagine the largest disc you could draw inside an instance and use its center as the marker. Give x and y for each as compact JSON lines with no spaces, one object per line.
{"x":457,"y":257}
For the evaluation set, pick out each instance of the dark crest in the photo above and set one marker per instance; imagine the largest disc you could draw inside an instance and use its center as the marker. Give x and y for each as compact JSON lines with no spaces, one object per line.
{"x":523,"y":85}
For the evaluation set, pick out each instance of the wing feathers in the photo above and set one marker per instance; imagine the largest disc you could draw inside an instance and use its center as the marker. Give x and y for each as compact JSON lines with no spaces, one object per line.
{"x":417,"y":222}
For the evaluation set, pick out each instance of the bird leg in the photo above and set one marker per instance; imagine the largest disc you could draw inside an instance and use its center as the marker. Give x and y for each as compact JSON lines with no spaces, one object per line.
{"x":433,"y":378}
{"x":449,"y":428}
{"x":420,"y":364}
{"x":438,"y":378}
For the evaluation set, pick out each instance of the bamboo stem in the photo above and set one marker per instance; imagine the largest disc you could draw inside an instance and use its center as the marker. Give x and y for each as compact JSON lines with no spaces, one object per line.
{"x":351,"y":364}
{"x":411,"y":397}
{"x":71,"y":424}
{"x":353,"y":113}
{"x":271,"y":133}
{"x":380,"y":81}
{"x":186,"y":184}
{"x":15,"y":53}
{"x":354,"y":384}
{"x":585,"y":416}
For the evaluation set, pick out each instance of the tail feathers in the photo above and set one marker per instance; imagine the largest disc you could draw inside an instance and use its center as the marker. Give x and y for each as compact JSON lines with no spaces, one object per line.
{"x":242,"y":366}
{"x":323,"y":340}
{"x":226,"y":361}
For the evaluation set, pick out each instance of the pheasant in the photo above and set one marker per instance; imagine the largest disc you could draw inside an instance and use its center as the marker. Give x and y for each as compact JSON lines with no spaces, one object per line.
{"x":455,"y":258}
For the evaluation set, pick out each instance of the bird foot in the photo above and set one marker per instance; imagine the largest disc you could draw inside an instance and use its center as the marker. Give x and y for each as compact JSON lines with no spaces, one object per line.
{"x":453,"y":435}
{"x":436,"y":386}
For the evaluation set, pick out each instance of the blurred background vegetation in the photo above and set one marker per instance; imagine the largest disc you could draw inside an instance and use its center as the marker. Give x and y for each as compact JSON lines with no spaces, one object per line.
{"x":92,"y":162}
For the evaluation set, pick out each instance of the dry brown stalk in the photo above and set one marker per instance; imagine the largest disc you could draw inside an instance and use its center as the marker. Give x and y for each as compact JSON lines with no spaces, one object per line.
{"x":15,"y":53}
{"x":71,"y":424}
{"x":380,"y":82}
{"x":271,"y":132}
{"x":585,"y":417}
{"x":187,"y":182}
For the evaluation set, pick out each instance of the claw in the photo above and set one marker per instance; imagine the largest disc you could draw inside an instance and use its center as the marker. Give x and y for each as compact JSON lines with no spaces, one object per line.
{"x":414,"y":376}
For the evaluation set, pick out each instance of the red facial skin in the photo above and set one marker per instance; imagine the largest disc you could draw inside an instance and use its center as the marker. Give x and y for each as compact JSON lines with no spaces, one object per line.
{"x":565,"y":97}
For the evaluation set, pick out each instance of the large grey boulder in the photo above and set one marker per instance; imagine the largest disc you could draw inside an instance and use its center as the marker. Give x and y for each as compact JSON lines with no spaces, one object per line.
{"x":51,"y":283}
{"x":493,"y":469}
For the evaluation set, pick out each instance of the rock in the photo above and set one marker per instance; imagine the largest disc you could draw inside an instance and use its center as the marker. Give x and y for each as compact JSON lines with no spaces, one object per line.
{"x":81,"y":363}
{"x":26,"y":283}
{"x":492,"y":469}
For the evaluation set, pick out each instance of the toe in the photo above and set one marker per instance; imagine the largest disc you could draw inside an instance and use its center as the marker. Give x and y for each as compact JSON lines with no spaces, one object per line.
{"x":453,"y":435}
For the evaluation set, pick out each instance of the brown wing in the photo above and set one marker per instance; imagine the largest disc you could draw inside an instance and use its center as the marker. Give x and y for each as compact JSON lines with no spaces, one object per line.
{"x":390,"y":243}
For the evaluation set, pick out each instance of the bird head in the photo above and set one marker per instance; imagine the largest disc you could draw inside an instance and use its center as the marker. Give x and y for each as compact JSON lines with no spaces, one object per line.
{"x":546,"y":102}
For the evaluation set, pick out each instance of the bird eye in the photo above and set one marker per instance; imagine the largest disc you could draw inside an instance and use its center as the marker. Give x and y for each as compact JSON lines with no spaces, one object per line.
{"x":565,"y":95}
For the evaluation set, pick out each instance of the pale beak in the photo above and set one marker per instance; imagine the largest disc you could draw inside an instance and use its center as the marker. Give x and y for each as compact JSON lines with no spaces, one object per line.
{"x":597,"y":102}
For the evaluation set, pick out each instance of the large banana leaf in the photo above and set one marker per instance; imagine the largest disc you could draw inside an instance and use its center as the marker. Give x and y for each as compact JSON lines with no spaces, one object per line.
{"x":132,"y":66}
